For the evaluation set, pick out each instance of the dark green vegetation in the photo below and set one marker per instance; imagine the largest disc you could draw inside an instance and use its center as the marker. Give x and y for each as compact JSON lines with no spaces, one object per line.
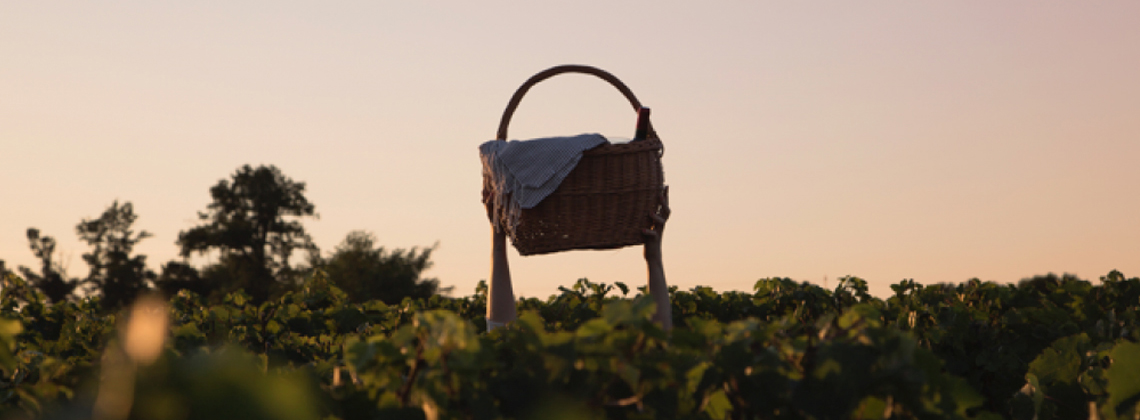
{"x":253,"y":227}
{"x":1047,"y":348}
{"x":359,"y":334}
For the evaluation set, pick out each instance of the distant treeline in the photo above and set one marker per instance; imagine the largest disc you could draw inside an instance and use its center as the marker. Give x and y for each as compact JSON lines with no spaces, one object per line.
{"x":254,"y":226}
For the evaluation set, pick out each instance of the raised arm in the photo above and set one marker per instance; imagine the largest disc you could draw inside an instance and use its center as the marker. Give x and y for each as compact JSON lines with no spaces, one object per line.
{"x":501,"y":296}
{"x":658,"y":288}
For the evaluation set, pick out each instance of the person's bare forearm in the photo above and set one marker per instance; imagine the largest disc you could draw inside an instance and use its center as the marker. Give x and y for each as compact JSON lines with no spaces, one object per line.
{"x":501,"y":296}
{"x":658,"y":288}
{"x":659,"y":291}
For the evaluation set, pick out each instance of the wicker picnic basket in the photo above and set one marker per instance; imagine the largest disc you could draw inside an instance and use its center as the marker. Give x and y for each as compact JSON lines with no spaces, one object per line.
{"x":607,"y":200}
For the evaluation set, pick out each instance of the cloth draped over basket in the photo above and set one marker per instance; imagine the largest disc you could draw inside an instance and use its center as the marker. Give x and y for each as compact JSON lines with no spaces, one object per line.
{"x":604,"y":201}
{"x":523,"y":173}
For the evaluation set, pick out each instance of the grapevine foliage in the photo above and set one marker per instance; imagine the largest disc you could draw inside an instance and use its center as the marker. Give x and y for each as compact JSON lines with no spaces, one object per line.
{"x":1047,"y":348}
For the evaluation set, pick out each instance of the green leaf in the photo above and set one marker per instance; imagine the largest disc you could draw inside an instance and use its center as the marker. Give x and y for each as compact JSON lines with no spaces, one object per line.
{"x":871,"y":408}
{"x":718,"y":406}
{"x":1123,"y":382}
{"x":189,"y":334}
{"x":1058,"y":370}
{"x":273,"y":327}
{"x":860,"y":313}
{"x":9,"y":329}
{"x":618,"y":313}
{"x":594,"y":328}
{"x":1061,"y":362}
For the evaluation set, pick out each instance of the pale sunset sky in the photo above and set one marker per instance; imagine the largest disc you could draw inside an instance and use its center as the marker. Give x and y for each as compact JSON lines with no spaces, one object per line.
{"x":934,"y":140}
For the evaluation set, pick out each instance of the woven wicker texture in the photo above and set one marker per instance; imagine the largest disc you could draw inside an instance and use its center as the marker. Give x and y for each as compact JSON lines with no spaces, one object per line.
{"x":607,"y":200}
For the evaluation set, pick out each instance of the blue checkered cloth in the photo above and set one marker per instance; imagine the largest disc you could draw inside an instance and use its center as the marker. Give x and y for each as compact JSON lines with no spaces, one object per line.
{"x":523,"y":173}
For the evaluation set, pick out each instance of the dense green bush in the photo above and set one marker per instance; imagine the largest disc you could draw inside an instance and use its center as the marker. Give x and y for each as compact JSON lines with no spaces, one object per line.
{"x":1048,"y":347}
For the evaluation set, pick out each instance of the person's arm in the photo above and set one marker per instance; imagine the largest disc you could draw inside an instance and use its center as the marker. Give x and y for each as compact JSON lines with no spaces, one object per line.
{"x":501,"y":296}
{"x":658,"y":288}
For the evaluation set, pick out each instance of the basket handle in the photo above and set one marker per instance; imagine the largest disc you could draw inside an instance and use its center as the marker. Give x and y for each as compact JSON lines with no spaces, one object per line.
{"x":570,"y":68}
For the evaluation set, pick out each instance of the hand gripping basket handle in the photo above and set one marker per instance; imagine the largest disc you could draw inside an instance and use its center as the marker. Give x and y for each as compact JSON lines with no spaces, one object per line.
{"x":569,"y":68}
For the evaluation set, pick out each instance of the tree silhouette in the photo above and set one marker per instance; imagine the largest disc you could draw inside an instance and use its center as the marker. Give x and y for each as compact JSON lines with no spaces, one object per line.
{"x":366,"y":272}
{"x":177,"y":275}
{"x":114,"y":272}
{"x":4,"y":271}
{"x":246,"y":223}
{"x":51,"y":279}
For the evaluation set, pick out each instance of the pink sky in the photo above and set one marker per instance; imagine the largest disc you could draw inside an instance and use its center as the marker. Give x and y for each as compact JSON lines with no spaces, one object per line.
{"x":937,"y":141}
